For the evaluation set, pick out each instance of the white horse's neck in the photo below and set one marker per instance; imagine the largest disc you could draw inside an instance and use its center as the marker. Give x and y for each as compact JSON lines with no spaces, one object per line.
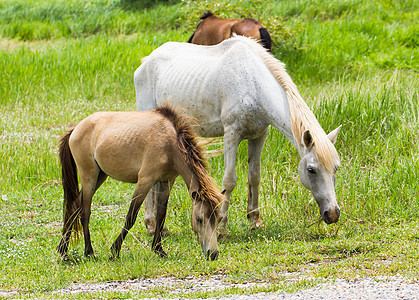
{"x":275,"y":103}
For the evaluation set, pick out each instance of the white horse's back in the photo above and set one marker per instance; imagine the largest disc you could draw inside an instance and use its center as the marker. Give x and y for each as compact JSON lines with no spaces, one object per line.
{"x":204,"y":80}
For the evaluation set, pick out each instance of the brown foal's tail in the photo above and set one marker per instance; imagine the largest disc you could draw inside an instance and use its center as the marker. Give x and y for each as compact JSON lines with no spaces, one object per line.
{"x":265,"y":38}
{"x":71,"y":207}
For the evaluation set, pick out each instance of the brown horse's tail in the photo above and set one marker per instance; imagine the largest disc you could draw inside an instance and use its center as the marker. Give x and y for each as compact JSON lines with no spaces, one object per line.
{"x":71,"y":207}
{"x":265,"y":38}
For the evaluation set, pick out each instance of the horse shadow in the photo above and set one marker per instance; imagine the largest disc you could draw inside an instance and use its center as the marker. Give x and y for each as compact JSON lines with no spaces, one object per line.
{"x":281,"y":233}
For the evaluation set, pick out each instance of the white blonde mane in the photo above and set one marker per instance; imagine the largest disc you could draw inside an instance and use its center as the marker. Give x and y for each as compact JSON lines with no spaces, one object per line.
{"x":302,"y":118}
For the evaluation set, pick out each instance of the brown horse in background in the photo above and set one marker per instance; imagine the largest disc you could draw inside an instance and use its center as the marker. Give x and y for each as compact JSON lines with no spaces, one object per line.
{"x":146,"y":148}
{"x":213,"y":30}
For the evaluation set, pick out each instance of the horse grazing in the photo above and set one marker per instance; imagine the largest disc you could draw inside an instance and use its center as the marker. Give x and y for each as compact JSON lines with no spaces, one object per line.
{"x":143,"y":148}
{"x":236,"y":89}
{"x":213,"y":30}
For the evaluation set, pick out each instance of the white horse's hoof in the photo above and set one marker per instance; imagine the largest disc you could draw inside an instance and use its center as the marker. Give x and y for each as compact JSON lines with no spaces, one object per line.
{"x":223,"y":237}
{"x":257,"y":225}
{"x":164,"y":232}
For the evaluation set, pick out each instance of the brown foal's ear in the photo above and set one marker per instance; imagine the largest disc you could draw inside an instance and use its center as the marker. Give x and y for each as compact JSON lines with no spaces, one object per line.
{"x":195,"y":195}
{"x":194,"y":190}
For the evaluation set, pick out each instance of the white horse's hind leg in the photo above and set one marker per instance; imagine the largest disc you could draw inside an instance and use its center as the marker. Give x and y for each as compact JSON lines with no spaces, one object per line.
{"x":255,"y":148}
{"x":231,"y":143}
{"x":151,"y":207}
{"x":162,"y":192}
{"x":150,"y":211}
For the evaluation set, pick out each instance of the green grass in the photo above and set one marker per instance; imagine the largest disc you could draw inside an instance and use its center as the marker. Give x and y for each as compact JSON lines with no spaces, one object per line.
{"x":355,"y":63}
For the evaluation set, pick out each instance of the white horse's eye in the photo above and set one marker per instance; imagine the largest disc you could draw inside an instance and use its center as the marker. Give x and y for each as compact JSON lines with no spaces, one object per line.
{"x":199,"y":220}
{"x":311,"y":170}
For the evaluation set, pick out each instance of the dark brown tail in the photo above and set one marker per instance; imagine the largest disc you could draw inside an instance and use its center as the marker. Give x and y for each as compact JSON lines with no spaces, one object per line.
{"x":71,"y":209}
{"x":265,"y":39}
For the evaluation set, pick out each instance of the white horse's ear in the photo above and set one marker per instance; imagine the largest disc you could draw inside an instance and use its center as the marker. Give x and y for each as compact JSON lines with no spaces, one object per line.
{"x":333,"y":135}
{"x":307,"y":139}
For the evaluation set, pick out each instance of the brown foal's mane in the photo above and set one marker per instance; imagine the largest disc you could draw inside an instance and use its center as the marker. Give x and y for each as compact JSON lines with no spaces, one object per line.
{"x":192,"y":153}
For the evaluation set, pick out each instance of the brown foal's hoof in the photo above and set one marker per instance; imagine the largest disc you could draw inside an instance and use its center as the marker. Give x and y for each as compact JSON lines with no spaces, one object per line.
{"x":113,"y":258}
{"x":65,"y":257}
{"x":161,"y":252}
{"x":91,"y":257}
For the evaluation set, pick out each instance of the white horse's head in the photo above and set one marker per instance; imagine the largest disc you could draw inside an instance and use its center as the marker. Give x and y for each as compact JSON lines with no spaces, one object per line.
{"x":320,"y":181}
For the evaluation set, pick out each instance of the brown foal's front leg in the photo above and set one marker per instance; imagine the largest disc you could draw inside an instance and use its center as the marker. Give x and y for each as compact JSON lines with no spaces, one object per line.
{"x":140,"y":192}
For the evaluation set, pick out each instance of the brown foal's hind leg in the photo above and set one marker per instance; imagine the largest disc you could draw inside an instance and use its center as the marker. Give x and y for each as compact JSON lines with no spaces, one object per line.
{"x":163,"y":192}
{"x":67,"y":228}
{"x":87,"y":195}
{"x":140,"y":192}
{"x":101,"y":179}
{"x":91,"y":178}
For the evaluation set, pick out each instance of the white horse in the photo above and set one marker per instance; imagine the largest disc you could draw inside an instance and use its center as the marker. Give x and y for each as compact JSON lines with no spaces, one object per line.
{"x":236,"y":89}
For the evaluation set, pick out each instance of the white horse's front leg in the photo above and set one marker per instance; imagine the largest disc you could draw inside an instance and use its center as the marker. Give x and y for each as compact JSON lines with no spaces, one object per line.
{"x":151,"y":207}
{"x":231,"y":143}
{"x":255,"y":148}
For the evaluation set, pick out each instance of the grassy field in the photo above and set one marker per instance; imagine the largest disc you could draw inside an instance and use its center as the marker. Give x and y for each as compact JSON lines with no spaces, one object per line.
{"x":355,"y":62}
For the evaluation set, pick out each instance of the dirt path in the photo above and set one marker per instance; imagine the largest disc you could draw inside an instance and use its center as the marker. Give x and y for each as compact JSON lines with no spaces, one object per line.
{"x":358,"y":288}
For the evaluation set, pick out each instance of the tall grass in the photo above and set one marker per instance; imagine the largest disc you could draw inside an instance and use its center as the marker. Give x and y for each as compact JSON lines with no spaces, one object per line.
{"x":355,"y":63}
{"x":45,"y":20}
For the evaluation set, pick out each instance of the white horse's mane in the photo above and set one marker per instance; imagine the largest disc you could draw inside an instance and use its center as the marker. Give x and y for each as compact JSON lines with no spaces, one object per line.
{"x":302,"y":118}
